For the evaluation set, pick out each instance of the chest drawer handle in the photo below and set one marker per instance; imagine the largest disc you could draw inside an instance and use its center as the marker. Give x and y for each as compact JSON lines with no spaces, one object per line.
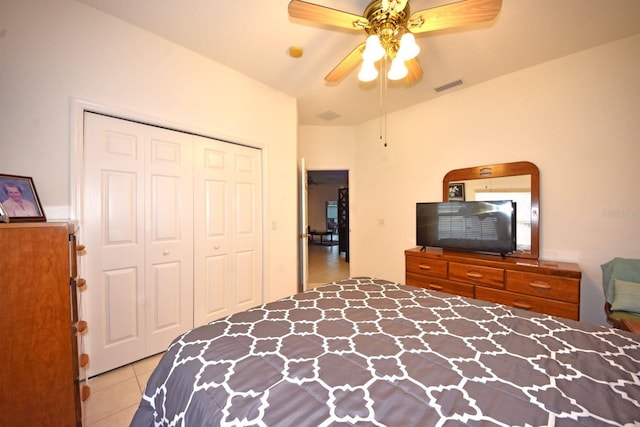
{"x":83,"y":360}
{"x":424,"y":267}
{"x":540,"y":285}
{"x":435,"y":287}
{"x":82,"y":326}
{"x":522,"y":305}
{"x":474,"y":275}
{"x":85,"y":392}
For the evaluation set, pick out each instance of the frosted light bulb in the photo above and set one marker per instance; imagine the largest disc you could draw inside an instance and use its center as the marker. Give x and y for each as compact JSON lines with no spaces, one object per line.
{"x":373,"y":51}
{"x":409,"y":49}
{"x":398,"y":70}
{"x":368,"y":72}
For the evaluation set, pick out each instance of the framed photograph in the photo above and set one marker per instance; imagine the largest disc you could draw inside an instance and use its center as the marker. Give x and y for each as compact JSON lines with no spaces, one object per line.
{"x":456,"y":191}
{"x":19,"y":199}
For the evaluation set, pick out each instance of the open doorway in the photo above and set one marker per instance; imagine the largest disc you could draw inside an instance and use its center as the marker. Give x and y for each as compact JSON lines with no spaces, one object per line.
{"x":327,"y":216}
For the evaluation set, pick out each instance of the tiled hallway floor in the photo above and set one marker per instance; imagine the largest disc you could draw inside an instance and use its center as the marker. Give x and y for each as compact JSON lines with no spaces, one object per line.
{"x":326,"y":264}
{"x":115,"y":395}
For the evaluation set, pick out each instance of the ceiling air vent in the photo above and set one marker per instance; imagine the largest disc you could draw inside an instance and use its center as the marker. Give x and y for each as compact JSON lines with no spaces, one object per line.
{"x":448,"y":85}
{"x":329,"y":115}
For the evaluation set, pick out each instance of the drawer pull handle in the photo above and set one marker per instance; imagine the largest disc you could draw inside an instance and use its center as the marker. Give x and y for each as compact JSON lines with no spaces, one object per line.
{"x":81,"y":283}
{"x":84,"y":360}
{"x":474,"y":275}
{"x":424,"y":267}
{"x":522,"y":305}
{"x":540,"y":285}
{"x":435,"y":287}
{"x":82,"y":326}
{"x":85,"y":392}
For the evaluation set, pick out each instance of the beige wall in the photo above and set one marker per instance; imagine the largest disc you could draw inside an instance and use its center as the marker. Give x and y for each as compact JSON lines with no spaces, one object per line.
{"x":56,"y":50}
{"x":576,"y":118}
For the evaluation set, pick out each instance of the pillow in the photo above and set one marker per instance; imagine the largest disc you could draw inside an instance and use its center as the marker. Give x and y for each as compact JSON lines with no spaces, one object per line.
{"x":627,"y":297}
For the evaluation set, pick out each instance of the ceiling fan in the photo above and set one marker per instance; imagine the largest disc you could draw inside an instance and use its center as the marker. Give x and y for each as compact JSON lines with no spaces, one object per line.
{"x":390,"y":27}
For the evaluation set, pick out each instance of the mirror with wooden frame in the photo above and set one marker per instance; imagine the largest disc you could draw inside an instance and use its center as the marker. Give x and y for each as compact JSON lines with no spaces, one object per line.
{"x":518,"y":181}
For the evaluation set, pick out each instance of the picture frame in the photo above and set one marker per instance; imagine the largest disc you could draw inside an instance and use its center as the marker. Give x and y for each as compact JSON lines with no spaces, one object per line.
{"x":456,"y":192}
{"x":19,"y":199}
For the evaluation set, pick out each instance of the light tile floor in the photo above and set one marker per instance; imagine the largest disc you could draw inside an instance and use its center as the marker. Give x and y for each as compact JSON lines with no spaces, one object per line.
{"x":326,"y":264}
{"x":115,"y":395}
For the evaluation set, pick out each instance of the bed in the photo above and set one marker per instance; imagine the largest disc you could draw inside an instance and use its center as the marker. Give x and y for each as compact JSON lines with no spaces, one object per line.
{"x":364,"y":351}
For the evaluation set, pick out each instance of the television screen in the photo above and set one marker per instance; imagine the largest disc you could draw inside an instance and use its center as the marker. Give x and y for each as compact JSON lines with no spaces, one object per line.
{"x":471,"y":226}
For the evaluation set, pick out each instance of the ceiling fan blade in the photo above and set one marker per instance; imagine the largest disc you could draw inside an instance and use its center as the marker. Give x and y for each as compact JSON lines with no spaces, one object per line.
{"x":326,"y":15}
{"x":415,"y":71}
{"x":346,"y":65}
{"x":452,"y":15}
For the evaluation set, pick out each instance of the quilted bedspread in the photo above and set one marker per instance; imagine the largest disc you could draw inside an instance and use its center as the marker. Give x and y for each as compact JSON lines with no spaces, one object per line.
{"x":372,"y":352}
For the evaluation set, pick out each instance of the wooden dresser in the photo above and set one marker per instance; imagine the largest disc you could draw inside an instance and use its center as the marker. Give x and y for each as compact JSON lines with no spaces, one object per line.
{"x":537,"y":285}
{"x":39,"y":360}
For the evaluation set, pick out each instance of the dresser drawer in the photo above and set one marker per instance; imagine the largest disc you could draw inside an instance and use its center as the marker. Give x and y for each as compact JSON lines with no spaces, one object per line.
{"x":557,"y":288}
{"x":440,"y":285}
{"x":429,"y":267}
{"x":531,"y":303}
{"x":476,"y":274}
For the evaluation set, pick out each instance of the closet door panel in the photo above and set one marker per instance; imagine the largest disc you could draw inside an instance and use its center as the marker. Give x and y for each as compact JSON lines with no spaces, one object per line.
{"x":120,"y":210}
{"x":114,"y":233}
{"x":216,"y":220}
{"x":137,"y":222}
{"x":169,"y":243}
{"x":215,"y":295}
{"x":246,"y":274}
{"x":212,"y":229}
{"x":228,"y":229}
{"x":247,"y":237}
{"x":121,"y":314}
{"x":166,"y":288}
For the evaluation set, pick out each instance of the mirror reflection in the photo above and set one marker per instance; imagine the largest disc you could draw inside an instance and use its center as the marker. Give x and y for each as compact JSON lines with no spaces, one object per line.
{"x":516,"y":188}
{"x":517,"y":181}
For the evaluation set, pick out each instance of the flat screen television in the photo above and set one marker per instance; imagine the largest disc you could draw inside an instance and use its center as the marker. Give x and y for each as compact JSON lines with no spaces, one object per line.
{"x":469,"y":226}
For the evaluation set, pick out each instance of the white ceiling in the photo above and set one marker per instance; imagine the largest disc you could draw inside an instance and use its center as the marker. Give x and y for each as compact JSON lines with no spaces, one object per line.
{"x":253,"y":37}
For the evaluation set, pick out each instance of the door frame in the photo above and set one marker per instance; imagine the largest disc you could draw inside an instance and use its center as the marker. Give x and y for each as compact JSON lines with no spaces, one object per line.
{"x":303,"y":260}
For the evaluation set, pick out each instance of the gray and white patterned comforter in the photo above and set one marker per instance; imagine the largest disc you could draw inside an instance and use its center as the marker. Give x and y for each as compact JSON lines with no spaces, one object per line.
{"x":372,"y":352}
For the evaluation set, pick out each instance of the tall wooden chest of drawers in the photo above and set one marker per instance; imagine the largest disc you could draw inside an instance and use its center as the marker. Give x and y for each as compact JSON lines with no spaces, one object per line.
{"x":39,"y":362}
{"x":537,"y":285}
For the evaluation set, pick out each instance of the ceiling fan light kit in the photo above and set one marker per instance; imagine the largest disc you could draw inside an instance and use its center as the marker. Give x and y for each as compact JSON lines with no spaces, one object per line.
{"x":398,"y":51}
{"x":390,"y":26}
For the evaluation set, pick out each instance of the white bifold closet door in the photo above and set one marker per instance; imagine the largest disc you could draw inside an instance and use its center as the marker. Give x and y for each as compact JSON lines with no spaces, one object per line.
{"x":168,"y":219}
{"x":228,"y":229}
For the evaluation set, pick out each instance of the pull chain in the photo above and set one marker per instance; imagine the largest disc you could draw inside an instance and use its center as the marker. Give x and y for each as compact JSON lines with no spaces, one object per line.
{"x":383,"y":101}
